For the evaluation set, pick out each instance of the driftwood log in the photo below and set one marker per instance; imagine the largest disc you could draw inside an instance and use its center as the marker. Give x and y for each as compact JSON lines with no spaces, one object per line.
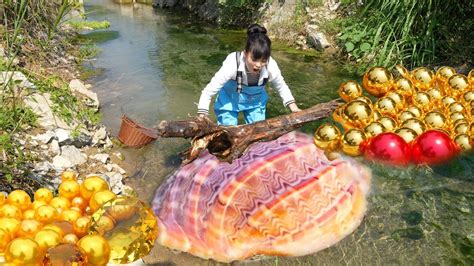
{"x":230,"y":142}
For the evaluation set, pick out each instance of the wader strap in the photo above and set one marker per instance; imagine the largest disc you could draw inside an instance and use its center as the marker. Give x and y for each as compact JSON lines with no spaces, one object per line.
{"x":239,"y":73}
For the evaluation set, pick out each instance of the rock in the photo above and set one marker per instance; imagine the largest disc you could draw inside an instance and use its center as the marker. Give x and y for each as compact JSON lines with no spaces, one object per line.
{"x":54,"y":147}
{"x":62,"y":135}
{"x":119,"y":155}
{"x":77,"y":86}
{"x":99,"y":135}
{"x":102,"y":157}
{"x":78,"y":141}
{"x":317,"y":40}
{"x":70,"y":157}
{"x":16,"y":77}
{"x":119,"y":169}
{"x":45,"y":137}
{"x":43,"y":167}
{"x":115,"y":181}
{"x":109,"y":167}
{"x":108,"y":143}
{"x":40,"y":104}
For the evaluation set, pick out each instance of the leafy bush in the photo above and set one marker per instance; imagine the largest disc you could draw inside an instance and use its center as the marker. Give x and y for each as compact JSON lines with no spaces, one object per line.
{"x":411,"y":32}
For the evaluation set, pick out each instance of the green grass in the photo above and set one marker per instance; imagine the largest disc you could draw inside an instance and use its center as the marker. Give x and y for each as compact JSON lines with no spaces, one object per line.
{"x":89,"y":25}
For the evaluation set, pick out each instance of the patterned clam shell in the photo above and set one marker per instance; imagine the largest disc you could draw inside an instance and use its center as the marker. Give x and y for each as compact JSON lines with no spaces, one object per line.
{"x":283,"y":197}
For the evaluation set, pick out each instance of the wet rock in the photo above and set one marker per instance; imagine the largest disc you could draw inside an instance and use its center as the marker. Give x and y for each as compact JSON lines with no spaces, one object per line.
{"x":317,"y":39}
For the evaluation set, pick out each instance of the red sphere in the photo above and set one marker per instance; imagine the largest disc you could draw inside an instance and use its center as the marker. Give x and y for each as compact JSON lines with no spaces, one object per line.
{"x":433,"y":147}
{"x":388,"y":148}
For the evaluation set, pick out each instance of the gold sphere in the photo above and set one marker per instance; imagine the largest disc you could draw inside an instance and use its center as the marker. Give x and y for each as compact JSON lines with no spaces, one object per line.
{"x":70,"y":215}
{"x":10,"y":211}
{"x":464,"y":142}
{"x":456,"y":116}
{"x":407,"y":134}
{"x":357,"y":113}
{"x":10,"y":225}
{"x":44,"y":195}
{"x":443,"y":74}
{"x":79,"y":203}
{"x":60,"y":203}
{"x":435,"y":120}
{"x":56,"y":228}
{"x":68,"y":176}
{"x":29,"y":228}
{"x":456,"y":107}
{"x":81,"y":226}
{"x":47,"y":238}
{"x":91,"y":185}
{"x":337,"y":114}
{"x":415,"y":124}
{"x":350,"y":90}
{"x":101,"y":197}
{"x":103,"y":224}
{"x":462,"y":128}
{"x":423,"y":78}
{"x":405,"y":115}
{"x":376,"y":115}
{"x":351,"y":141}
{"x":447,"y":100}
{"x":404,"y":87}
{"x":19,"y":198}
{"x":377,"y":81}
{"x":96,"y":248}
{"x":403,"y":72}
{"x":398,"y":98}
{"x":458,"y":85}
{"x":470,"y":77}
{"x":435,"y":94}
{"x":24,"y":251}
{"x":37,"y":203}
{"x":460,"y":121}
{"x":46,"y":214}
{"x":386,"y":106}
{"x":373,"y":129}
{"x":388,"y":123}
{"x":468,"y":96}
{"x":69,"y":189}
{"x":29,"y":214}
{"x":5,"y":238}
{"x":364,"y":99}
{"x":422,"y":100}
{"x":327,"y":137}
{"x":70,"y":238}
{"x":415,"y":111}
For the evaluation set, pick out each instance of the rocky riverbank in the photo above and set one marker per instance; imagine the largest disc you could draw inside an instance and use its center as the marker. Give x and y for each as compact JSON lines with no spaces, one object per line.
{"x":41,"y":84}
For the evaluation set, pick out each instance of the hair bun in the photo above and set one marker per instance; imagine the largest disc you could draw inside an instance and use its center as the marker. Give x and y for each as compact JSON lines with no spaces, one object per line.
{"x":255,"y":28}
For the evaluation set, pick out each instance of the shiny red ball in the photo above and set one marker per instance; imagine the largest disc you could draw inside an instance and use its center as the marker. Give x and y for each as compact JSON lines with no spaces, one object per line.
{"x":388,"y":148}
{"x":433,"y":147}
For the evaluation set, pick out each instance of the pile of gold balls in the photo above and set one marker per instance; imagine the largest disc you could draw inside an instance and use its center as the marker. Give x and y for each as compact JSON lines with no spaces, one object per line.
{"x":85,"y":224}
{"x":406,"y":103}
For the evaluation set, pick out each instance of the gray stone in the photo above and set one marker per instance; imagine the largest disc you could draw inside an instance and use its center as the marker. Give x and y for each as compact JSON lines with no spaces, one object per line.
{"x":40,"y":104}
{"x":62,"y":134}
{"x":99,"y":135}
{"x":60,"y":163}
{"x":16,"y":77}
{"x":102,"y":157}
{"x":55,"y":149}
{"x":43,"y":167}
{"x":109,"y":167}
{"x":77,"y":86}
{"x":318,"y":40}
{"x":44,"y":138}
{"x":119,"y":169}
{"x":70,"y":157}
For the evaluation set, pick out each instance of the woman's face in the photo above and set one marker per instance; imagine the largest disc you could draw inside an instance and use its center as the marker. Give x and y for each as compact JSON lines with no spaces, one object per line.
{"x":254,"y":65}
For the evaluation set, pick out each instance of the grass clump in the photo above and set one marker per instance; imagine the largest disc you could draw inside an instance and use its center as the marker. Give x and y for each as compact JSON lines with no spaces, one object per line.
{"x":410,"y":32}
{"x":89,"y":25}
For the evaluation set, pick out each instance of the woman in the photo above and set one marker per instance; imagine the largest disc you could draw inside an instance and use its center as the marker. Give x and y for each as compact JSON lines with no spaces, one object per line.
{"x":240,"y":82}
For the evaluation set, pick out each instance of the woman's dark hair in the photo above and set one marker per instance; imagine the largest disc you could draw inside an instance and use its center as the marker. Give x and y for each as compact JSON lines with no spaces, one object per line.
{"x":258,"y":43}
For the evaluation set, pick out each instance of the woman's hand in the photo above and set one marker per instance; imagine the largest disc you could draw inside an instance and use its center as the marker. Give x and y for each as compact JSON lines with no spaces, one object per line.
{"x":293,"y":107}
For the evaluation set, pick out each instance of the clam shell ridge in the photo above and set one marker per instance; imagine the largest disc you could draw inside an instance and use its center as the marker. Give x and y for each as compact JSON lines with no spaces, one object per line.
{"x":283,"y":197}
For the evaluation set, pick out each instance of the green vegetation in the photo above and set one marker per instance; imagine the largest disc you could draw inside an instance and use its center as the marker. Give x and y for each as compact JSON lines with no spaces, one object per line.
{"x":409,"y":32}
{"x":89,"y":25}
{"x":238,"y":12}
{"x":30,"y":34}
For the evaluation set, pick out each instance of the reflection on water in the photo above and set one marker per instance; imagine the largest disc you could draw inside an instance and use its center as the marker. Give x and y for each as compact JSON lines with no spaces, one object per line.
{"x":156,"y":64}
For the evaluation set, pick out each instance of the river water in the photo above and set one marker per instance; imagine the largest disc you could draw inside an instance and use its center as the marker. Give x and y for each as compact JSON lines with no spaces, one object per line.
{"x":154,"y":64}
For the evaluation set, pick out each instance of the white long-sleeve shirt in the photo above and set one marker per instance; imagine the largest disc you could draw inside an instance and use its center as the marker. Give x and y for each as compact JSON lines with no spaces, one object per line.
{"x":228,"y":71}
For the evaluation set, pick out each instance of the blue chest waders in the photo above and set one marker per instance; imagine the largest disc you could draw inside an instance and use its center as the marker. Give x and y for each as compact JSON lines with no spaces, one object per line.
{"x":234,"y":97}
